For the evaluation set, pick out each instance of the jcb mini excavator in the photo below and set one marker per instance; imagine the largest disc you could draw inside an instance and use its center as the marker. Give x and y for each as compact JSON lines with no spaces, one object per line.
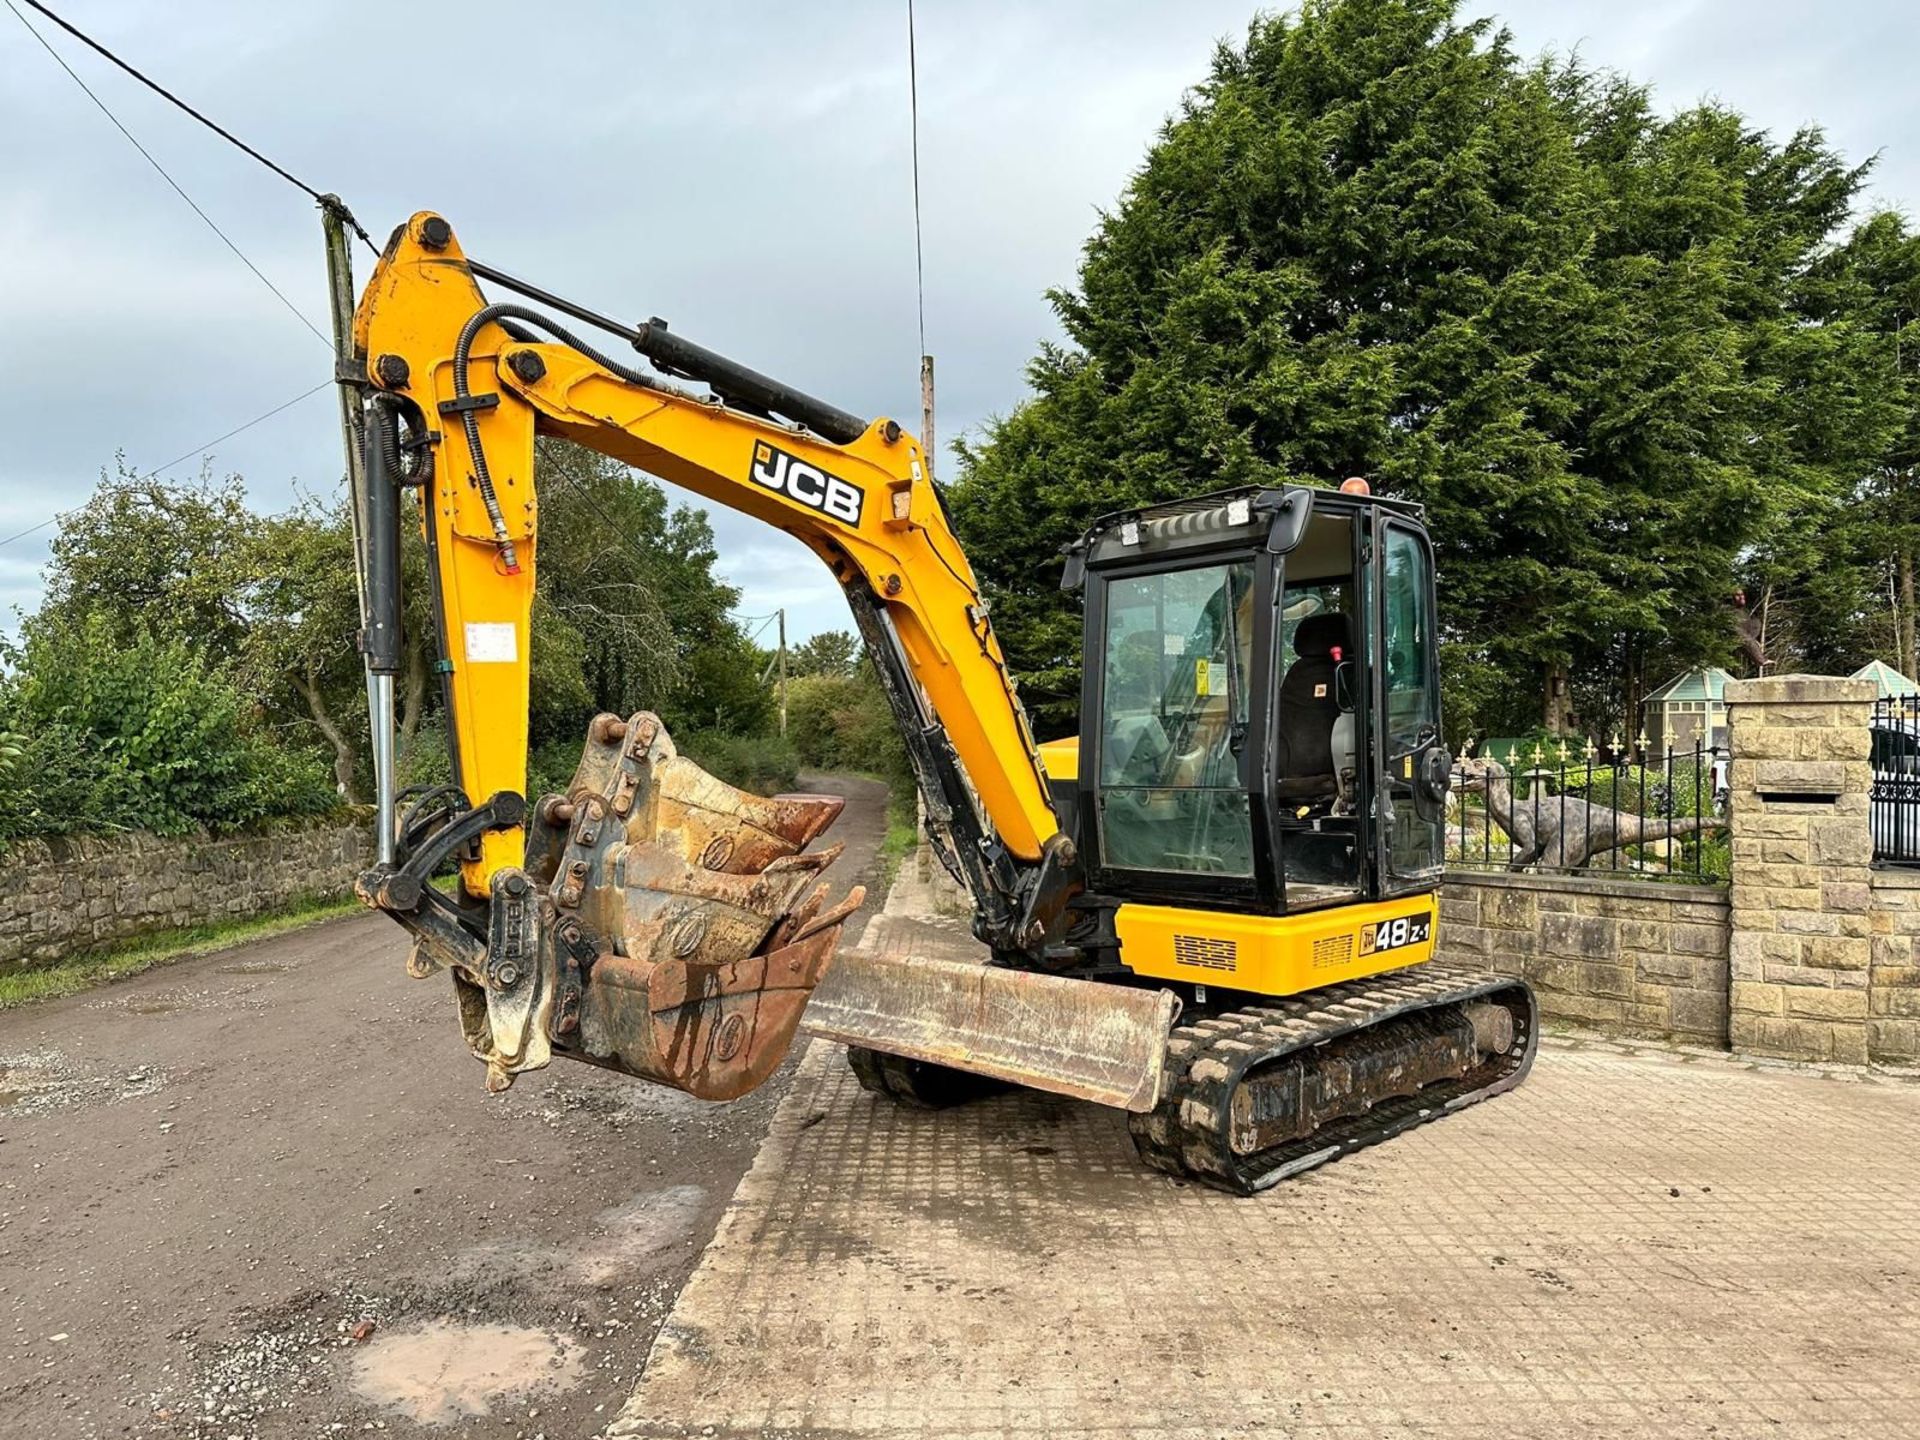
{"x":1215,"y":909}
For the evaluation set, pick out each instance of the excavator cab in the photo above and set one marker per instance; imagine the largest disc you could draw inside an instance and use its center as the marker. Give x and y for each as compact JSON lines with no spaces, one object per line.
{"x":1237,"y":740}
{"x":1260,"y":733}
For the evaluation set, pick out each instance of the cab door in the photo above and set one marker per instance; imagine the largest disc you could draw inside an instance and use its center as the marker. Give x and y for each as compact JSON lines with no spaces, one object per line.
{"x":1411,"y":764}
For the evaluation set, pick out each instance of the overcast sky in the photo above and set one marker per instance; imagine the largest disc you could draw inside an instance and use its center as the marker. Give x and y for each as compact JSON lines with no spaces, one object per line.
{"x":742,"y":169}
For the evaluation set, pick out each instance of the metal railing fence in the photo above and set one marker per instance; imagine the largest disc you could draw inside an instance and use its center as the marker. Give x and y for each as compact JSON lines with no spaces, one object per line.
{"x":1894,"y":805}
{"x":1570,"y":806}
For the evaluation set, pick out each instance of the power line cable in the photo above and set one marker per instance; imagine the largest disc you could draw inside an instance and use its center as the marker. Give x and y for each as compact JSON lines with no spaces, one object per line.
{"x":913,"y":101}
{"x":199,"y":449}
{"x":292,"y":309}
{"x":330,"y":201}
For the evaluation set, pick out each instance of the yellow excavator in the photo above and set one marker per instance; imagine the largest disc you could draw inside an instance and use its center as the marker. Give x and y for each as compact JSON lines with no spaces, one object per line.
{"x":1215,"y":909}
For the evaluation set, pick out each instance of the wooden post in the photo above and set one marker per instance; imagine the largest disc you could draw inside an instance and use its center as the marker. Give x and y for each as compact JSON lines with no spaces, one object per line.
{"x":352,"y":420}
{"x":926,"y":410}
{"x":783,"y":673}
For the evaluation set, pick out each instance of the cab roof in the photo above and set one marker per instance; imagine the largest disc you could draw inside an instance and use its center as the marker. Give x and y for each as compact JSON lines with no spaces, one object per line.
{"x":1248,"y":515}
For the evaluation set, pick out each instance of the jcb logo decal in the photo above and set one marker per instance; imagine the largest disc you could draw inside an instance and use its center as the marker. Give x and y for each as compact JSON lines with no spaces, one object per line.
{"x":809,"y":484}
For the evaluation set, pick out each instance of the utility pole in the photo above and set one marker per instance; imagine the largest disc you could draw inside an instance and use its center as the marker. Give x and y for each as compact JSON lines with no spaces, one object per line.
{"x":352,"y":421}
{"x":353,"y":436}
{"x":926,"y":411}
{"x":783,"y":672}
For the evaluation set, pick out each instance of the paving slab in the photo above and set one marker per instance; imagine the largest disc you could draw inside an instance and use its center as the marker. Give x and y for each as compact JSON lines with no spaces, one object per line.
{"x":1636,"y":1242}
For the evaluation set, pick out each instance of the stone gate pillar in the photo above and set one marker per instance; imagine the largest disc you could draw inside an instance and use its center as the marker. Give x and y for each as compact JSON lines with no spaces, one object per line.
{"x":1802,"y":850}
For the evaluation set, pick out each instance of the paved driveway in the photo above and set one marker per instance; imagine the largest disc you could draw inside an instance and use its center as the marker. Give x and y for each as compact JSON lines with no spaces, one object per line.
{"x":1634,"y":1243}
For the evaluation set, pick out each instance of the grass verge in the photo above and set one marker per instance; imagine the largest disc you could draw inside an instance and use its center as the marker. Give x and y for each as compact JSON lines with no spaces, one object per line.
{"x":903,"y":828}
{"x":100,"y":967}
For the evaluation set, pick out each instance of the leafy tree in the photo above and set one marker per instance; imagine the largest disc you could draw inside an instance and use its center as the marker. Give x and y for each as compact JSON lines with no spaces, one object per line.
{"x":722,"y":690}
{"x":627,"y":611}
{"x":602,"y":637}
{"x":631,"y":612}
{"x":152,"y":554}
{"x":295,"y":575}
{"x":1835,"y":586}
{"x":831,"y":652}
{"x":270,"y":599}
{"x":1374,"y":241}
{"x":136,"y":731}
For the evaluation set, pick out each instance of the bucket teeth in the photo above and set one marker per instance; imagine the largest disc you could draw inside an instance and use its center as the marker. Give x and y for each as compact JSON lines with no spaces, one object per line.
{"x":720,"y":828}
{"x":704,"y":912}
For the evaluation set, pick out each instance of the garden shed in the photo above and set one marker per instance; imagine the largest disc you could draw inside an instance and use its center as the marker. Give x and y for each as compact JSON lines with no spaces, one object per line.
{"x":1688,"y":710}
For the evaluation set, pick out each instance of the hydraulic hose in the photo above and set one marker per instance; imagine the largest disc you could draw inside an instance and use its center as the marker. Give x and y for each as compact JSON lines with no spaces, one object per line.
{"x":470,"y":423}
{"x":505,"y":314}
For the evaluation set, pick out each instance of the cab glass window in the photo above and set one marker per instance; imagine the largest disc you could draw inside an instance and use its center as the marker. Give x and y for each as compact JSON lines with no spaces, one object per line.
{"x":1412,"y":719}
{"x":1176,"y":661}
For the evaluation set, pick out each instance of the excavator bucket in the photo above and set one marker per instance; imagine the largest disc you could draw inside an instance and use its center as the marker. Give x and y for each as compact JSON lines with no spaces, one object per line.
{"x":664,"y":924}
{"x":1104,"y":1043}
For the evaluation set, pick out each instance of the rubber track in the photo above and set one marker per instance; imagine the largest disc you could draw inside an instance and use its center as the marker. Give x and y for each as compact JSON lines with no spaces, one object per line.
{"x":1186,"y":1134}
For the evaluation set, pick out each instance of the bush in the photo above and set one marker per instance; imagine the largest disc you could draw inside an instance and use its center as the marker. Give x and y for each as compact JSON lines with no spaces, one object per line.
{"x":142,"y":734}
{"x":550,"y":767}
{"x":813,"y":702}
{"x":838,"y":723}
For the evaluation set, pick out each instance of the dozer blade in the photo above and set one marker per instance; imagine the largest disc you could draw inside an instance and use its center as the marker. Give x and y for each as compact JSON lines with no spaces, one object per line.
{"x":664,"y":924}
{"x":1104,"y":1043}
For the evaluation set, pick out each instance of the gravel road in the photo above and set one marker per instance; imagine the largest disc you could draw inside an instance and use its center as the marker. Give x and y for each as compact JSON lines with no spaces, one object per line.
{"x":264,"y":1193}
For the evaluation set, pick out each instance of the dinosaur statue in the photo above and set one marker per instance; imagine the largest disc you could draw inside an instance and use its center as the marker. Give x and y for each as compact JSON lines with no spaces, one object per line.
{"x":1564,"y":832}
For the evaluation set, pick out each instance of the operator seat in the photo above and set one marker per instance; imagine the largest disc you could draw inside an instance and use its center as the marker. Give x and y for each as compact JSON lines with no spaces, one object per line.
{"x":1309,"y":706}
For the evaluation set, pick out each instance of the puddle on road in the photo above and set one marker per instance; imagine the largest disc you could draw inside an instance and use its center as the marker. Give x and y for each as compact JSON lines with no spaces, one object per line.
{"x":442,"y":1373}
{"x":9,"y":1097}
{"x":252,"y":967}
{"x":650,"y":1225}
{"x":222,"y":997}
{"x":654,"y":1224}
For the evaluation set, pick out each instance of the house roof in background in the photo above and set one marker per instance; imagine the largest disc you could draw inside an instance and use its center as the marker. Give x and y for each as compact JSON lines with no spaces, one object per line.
{"x":1709,"y":682}
{"x":1891,"y":682}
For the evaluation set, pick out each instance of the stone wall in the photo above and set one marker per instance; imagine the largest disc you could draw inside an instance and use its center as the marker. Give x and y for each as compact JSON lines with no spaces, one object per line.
{"x":1893,"y":983}
{"x":73,"y":894}
{"x":1810,"y":954}
{"x":1635,"y":957}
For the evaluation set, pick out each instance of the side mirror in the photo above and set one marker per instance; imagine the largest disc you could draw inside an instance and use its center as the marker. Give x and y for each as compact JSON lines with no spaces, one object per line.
{"x":1289,"y":511}
{"x":1345,"y":677}
{"x":1433,"y":777}
{"x":1074,"y":575}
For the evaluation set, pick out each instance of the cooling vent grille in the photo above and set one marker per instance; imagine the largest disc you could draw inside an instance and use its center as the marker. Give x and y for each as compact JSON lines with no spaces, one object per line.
{"x":1205,"y":952}
{"x":1333,"y":950}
